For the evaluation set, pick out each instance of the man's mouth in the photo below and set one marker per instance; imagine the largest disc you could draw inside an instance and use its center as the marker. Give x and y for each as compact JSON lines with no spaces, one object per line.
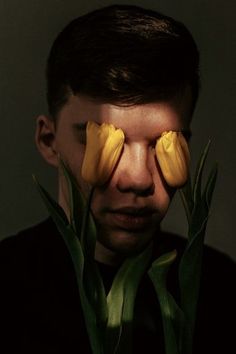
{"x":131,"y":218}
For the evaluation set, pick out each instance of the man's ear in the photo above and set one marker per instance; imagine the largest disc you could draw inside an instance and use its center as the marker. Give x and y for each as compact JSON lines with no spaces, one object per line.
{"x":45,"y":139}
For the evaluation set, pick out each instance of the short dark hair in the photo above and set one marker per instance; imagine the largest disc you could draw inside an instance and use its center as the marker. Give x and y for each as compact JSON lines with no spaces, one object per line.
{"x":124,"y":55}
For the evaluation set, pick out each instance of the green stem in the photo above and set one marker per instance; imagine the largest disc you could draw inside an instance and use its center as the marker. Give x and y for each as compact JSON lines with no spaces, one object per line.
{"x":185,"y":204}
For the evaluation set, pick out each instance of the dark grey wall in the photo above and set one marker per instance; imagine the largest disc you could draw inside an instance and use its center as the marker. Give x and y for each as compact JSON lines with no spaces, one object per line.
{"x":27,"y":29}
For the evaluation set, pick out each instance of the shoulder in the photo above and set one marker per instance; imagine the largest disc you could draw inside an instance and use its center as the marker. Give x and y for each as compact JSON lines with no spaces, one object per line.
{"x":30,"y":234}
{"x":27,"y":239}
{"x":36,"y":235}
{"x":31,"y":250}
{"x":39,"y":293}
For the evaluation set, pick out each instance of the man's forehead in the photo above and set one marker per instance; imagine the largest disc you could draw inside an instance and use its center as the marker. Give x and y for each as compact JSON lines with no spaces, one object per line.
{"x":80,"y":109}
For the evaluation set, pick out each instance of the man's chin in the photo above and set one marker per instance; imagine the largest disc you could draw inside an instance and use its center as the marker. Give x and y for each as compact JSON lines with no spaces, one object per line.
{"x":125,"y":243}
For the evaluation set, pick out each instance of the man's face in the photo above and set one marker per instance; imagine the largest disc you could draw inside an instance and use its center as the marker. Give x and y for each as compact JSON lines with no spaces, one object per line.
{"x":130,"y":207}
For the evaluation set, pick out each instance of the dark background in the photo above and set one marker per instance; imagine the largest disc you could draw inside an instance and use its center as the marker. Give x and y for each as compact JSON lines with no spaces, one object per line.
{"x":27,"y":30}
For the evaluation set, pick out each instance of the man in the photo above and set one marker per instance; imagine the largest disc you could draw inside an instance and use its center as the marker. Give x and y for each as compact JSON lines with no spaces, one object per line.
{"x":137,"y":70}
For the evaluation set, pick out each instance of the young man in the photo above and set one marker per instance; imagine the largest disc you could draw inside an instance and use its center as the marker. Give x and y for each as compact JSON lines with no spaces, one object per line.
{"x":137,"y":70}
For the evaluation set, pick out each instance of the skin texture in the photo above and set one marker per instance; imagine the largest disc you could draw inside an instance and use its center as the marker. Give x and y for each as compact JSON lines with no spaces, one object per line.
{"x":136,"y":182}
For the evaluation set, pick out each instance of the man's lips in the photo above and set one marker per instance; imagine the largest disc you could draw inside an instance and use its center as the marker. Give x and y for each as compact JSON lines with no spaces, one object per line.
{"x":131,"y":218}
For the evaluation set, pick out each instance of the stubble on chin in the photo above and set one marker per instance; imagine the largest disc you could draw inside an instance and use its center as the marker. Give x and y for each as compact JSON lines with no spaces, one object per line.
{"x":124,"y":243}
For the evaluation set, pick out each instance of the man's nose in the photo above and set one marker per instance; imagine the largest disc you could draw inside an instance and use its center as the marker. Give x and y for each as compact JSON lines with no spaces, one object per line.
{"x":134,"y":171}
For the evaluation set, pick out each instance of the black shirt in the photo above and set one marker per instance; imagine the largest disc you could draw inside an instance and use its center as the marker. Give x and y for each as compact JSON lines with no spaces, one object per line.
{"x":40,"y":310}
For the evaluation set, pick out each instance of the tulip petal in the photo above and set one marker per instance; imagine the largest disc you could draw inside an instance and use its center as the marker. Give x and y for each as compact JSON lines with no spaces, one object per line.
{"x":110,"y":154}
{"x":173,"y":157}
{"x":92,"y":152}
{"x":103,"y":149}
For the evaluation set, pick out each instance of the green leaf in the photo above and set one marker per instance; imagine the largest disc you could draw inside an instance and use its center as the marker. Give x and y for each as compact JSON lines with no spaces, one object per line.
{"x":53,"y":208}
{"x":76,"y":200}
{"x":210,"y":186}
{"x":172,"y":316}
{"x":202,"y":205}
{"x":199,"y":215}
{"x":84,"y":226}
{"x":189,"y":279}
{"x":121,"y":299}
{"x":74,"y":247}
{"x":94,"y":287}
{"x":80,"y":215}
{"x":90,"y":315}
{"x":187,"y":200}
{"x":187,"y":191}
{"x":190,"y":267}
{"x":198,"y":176}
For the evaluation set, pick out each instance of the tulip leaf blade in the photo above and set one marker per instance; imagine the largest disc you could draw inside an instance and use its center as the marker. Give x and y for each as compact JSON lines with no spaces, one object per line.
{"x":186,"y":197}
{"x":198,"y":175}
{"x":74,"y":247}
{"x":172,"y":315}
{"x":120,"y":300}
{"x":190,"y":269}
{"x":85,"y":229}
{"x":54,"y":209}
{"x":194,"y":200}
{"x":210,"y":185}
{"x":199,"y":215}
{"x":90,"y":314}
{"x":76,"y":200}
{"x":94,"y":288}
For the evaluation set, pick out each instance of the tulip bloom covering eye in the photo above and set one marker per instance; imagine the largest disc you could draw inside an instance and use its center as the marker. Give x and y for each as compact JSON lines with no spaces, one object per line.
{"x":173,"y":156}
{"x":103,"y":148}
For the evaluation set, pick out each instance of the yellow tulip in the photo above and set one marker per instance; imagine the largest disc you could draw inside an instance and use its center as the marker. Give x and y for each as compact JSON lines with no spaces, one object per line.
{"x":103,"y":148}
{"x":174,"y":158}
